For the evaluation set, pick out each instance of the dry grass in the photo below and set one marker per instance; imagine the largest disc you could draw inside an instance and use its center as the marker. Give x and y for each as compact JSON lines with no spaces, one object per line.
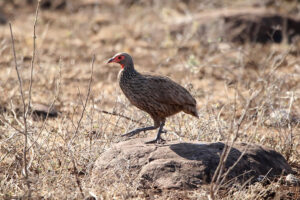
{"x":222,"y":77}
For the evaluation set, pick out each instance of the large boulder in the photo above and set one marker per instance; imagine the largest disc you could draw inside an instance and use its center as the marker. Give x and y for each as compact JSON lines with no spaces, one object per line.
{"x":184,"y":165}
{"x":3,"y":19}
{"x":251,"y":24}
{"x":267,"y":27}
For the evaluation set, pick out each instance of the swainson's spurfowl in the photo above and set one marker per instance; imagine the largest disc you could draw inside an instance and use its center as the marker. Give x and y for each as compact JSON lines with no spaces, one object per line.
{"x":159,"y":96}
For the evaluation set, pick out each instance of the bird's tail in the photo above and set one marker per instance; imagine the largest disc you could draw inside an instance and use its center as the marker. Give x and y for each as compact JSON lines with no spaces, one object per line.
{"x":191,"y":110}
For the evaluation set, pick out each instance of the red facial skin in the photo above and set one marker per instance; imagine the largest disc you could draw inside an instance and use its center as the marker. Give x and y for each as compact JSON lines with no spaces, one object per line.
{"x":117,"y":59}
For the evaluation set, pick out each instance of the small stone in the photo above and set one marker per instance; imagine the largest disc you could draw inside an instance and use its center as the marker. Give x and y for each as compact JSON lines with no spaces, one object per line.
{"x":3,"y":19}
{"x":292,"y":179}
{"x":40,"y":110}
{"x":281,"y":118}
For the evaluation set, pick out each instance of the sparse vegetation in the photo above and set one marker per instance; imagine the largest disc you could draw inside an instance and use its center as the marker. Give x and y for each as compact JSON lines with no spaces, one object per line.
{"x":223,"y":77}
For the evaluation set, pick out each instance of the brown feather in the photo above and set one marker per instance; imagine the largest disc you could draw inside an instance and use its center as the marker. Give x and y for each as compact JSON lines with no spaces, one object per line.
{"x":157,"y":95}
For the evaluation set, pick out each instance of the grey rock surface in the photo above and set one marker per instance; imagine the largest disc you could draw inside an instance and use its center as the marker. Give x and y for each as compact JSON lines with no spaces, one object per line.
{"x":184,"y":165}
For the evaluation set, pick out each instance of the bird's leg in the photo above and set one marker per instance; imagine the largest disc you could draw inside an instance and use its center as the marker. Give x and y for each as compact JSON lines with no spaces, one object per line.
{"x":138,"y":130}
{"x":158,"y":138}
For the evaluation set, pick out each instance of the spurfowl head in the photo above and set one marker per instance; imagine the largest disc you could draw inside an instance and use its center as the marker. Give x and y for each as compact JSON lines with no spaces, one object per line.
{"x":123,"y":59}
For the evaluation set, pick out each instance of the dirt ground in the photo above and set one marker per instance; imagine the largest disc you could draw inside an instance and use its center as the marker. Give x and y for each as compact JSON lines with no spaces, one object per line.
{"x":163,"y":38}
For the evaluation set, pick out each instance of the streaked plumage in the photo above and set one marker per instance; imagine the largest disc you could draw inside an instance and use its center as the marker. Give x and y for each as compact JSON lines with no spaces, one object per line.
{"x":157,"y":95}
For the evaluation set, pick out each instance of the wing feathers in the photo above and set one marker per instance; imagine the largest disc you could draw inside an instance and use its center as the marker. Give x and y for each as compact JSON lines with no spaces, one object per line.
{"x":166,"y":91}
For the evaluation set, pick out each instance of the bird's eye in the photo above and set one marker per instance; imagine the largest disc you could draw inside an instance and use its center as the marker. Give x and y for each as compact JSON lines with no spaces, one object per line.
{"x":120,"y":57}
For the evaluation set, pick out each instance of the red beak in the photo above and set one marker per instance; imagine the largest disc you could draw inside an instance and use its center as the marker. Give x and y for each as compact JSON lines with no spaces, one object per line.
{"x":110,"y":60}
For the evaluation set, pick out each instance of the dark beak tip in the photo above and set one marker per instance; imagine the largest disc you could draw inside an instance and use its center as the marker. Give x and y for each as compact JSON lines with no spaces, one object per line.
{"x":110,"y":60}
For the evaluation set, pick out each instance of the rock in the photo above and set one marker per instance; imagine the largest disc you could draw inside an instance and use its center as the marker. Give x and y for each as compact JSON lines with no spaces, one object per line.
{"x":3,"y":19}
{"x":292,"y":180}
{"x":44,"y":4}
{"x":257,"y":25}
{"x":40,"y":110}
{"x":180,"y":165}
{"x":3,"y":109}
{"x":53,"y":4}
{"x":267,"y":27}
{"x":282,"y":118}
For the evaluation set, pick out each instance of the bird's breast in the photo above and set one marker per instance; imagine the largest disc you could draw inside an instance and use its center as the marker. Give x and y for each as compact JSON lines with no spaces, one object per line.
{"x":133,"y":88}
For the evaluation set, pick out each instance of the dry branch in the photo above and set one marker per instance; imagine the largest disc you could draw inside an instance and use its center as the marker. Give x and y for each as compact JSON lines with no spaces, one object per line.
{"x":87,"y":97}
{"x":24,"y":116}
{"x":49,"y":108}
{"x":219,"y":175}
{"x":25,"y":108}
{"x":33,"y":56}
{"x":119,"y":115}
{"x":75,"y":170}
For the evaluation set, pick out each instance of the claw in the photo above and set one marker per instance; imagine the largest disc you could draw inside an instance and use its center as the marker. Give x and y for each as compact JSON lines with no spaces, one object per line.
{"x":156,"y":141}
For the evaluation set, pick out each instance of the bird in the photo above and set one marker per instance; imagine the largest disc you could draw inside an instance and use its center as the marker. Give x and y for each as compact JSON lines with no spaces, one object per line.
{"x":159,"y":96}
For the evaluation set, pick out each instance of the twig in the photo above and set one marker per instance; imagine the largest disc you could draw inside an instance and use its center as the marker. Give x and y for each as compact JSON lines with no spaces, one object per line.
{"x":75,"y":170}
{"x":4,"y":121}
{"x":11,"y":136}
{"x":231,"y":167}
{"x":31,"y":157}
{"x":87,"y":97}
{"x":33,"y":57}
{"x":119,"y":115}
{"x":16,"y":67}
{"x":15,"y":115}
{"x":50,"y":107}
{"x":290,"y":136}
{"x":219,"y":177}
{"x":261,"y":193}
{"x":77,"y":128}
{"x":24,"y":115}
{"x":25,"y":108}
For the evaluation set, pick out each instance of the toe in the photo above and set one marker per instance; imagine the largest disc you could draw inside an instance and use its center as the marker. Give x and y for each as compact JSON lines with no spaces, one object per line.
{"x":156,"y":141}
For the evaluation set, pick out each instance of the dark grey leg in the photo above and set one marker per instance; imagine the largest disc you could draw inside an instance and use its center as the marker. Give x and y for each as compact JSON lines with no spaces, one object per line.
{"x":158,"y":138}
{"x":138,"y":130}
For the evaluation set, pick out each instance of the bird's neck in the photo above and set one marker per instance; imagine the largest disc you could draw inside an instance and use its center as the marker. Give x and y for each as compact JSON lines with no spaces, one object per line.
{"x":128,"y":72}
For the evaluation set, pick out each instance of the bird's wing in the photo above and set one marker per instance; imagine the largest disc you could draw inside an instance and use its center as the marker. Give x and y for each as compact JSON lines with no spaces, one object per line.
{"x":166,"y":91}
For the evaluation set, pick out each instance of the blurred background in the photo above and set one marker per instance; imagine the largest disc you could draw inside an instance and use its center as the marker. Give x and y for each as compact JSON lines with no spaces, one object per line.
{"x":192,"y":41}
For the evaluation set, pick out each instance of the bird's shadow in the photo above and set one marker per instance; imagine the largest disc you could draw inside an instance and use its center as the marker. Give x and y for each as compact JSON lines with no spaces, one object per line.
{"x":200,"y":151}
{"x":207,"y":156}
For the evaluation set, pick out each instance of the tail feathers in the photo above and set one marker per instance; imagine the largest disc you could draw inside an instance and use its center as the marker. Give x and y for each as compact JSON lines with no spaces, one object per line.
{"x":191,"y":110}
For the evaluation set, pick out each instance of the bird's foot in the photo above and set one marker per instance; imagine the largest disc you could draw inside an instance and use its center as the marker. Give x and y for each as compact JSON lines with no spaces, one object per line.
{"x":156,"y":141}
